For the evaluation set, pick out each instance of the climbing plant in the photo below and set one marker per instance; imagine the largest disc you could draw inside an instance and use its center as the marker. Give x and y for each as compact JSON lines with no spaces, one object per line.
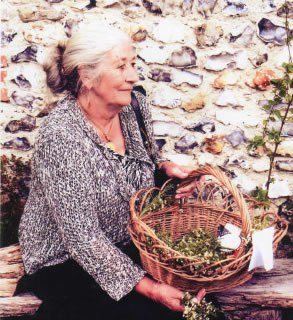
{"x":282,"y":94}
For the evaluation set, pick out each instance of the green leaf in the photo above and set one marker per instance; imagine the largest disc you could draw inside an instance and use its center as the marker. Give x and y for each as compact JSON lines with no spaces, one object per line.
{"x":255,"y":142}
{"x":277,"y":113}
{"x":260,"y":195}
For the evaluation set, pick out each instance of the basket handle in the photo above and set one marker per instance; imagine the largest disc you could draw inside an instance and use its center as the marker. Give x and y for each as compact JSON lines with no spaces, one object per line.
{"x":224,"y":180}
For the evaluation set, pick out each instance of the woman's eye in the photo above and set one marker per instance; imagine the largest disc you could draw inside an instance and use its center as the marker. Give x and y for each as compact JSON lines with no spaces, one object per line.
{"x":133,"y":64}
{"x":122,"y":66}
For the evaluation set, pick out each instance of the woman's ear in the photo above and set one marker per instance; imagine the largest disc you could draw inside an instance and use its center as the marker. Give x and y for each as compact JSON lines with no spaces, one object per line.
{"x":85,"y":78}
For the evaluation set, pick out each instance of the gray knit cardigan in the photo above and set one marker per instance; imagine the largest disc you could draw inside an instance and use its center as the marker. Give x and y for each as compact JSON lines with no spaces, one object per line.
{"x":78,"y":206}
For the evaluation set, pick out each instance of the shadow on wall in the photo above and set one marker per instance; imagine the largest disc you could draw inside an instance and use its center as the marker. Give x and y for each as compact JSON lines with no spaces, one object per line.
{"x":15,"y":183}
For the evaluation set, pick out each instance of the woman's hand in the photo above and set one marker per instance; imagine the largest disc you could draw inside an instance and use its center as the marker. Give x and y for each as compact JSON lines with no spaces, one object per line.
{"x":173,"y":170}
{"x":164,"y":294}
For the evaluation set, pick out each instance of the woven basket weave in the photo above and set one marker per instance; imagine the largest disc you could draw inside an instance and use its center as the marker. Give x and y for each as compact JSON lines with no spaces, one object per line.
{"x":217,"y":202}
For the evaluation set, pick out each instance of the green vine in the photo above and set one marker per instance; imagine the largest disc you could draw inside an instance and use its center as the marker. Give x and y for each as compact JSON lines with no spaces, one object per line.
{"x":283,"y":93}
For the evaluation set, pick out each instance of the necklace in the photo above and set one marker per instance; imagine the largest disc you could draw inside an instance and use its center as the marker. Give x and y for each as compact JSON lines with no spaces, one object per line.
{"x":109,"y":144}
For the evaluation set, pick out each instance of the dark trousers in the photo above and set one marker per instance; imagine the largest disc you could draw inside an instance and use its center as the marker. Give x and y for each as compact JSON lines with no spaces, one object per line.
{"x":70,"y":293}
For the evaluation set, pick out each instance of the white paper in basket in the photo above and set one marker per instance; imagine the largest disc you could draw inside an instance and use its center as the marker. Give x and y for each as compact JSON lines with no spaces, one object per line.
{"x":262,"y":249}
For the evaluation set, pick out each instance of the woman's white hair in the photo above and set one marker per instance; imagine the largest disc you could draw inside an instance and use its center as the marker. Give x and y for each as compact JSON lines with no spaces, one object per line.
{"x":85,"y":49}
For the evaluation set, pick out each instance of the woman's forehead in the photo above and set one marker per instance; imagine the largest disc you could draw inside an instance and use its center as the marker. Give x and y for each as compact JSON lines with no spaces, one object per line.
{"x":123,"y":52}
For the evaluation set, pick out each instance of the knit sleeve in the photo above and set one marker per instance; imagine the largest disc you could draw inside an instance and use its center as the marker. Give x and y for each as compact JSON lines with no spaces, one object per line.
{"x":65,"y":170}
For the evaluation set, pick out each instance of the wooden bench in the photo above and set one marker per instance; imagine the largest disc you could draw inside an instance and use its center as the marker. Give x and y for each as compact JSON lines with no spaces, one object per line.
{"x":262,"y":298}
{"x":11,"y":270}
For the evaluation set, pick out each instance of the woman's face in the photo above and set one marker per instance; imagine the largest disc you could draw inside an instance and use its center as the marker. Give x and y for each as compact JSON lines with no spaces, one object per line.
{"x":117,"y":75}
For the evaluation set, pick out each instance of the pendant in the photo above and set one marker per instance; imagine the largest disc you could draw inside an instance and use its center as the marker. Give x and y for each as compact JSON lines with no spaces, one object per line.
{"x":110,"y":145}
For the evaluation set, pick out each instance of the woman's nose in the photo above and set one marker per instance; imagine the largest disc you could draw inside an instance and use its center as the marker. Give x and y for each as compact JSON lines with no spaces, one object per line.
{"x":132,"y":75}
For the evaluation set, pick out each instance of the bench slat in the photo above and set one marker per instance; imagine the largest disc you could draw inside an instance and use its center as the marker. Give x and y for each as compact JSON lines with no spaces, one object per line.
{"x":268,"y":289}
{"x":19,"y":305}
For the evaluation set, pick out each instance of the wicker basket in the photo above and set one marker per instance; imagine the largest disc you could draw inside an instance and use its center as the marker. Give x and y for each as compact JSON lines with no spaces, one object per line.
{"x":217,"y":202}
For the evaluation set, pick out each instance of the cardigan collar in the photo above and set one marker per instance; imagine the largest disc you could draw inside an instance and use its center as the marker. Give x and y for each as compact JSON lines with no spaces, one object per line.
{"x":133,"y":140}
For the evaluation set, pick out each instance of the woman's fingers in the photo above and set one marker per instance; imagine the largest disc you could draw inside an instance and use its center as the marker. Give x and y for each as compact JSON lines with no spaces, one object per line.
{"x":200,"y":295}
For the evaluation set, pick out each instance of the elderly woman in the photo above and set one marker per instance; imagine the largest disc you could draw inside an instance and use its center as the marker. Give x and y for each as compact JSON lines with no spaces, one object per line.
{"x":89,"y":159}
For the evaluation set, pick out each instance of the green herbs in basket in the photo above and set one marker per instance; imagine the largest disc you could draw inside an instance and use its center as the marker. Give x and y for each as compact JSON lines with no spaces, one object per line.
{"x":160,"y":199}
{"x":201,"y":244}
{"x":198,"y":310}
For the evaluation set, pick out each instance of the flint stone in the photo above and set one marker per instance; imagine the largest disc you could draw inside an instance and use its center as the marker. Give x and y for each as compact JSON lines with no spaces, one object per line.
{"x":24,"y":100}
{"x":47,"y":35}
{"x":208,"y":35}
{"x":244,"y":39}
{"x":287,"y":130}
{"x":183,"y":58}
{"x":244,"y":184}
{"x":27,"y":123}
{"x":154,"y":54}
{"x":224,"y":60}
{"x":193,"y":79}
{"x":170,"y":30}
{"x":204,"y":126}
{"x":166,"y":97}
{"x":187,"y":6}
{"x":280,"y":106}
{"x":236,"y":8}
{"x":285,"y":165}
{"x":7,"y":37}
{"x":226,"y":78}
{"x":27,"y":55}
{"x":269,"y":32}
{"x":206,"y":158}
{"x":227,"y":98}
{"x":140,"y":35}
{"x":159,"y":74}
{"x":160,"y":143}
{"x":237,"y":118}
{"x":134,"y":12}
{"x":268,"y":6}
{"x":285,"y":148}
{"x":261,"y":165}
{"x":279,"y":189}
{"x":236,"y":138}
{"x":214,"y":145}
{"x":186,"y":143}
{"x":37,"y":13}
{"x":206,"y":7}
{"x":18,"y":144}
{"x":167,"y":128}
{"x":6,"y":11}
{"x":198,"y":102}
{"x":237,"y":161}
{"x":152,"y":7}
{"x":259,"y":60}
{"x":22,"y":82}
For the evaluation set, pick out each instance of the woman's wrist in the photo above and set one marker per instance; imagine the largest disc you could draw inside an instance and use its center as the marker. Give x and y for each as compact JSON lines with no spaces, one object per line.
{"x":147,"y":287}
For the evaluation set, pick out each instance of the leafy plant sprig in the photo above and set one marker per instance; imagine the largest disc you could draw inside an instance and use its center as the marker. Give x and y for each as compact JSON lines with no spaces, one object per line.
{"x":160,"y":198}
{"x":283,"y":94}
{"x":194,"y":310}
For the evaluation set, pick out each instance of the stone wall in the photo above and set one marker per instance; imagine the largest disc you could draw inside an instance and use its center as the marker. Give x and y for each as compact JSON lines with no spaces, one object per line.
{"x":206,"y":66}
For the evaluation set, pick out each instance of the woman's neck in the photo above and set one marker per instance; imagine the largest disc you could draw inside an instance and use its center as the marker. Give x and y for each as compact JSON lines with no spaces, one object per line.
{"x":97,"y":111}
